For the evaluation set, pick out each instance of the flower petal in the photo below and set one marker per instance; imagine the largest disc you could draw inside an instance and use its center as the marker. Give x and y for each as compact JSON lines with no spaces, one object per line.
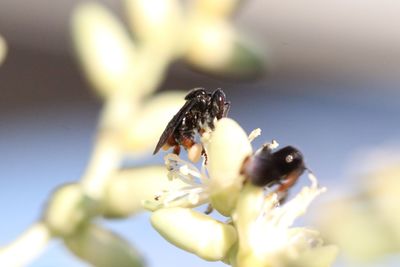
{"x":102,"y":248}
{"x":129,"y":188}
{"x":216,"y":48}
{"x":259,"y":219}
{"x":147,"y":126}
{"x":156,"y":22}
{"x":211,"y":43}
{"x":220,"y":9}
{"x":195,"y":232}
{"x":67,"y":210}
{"x":104,"y":48}
{"x":227,"y":150}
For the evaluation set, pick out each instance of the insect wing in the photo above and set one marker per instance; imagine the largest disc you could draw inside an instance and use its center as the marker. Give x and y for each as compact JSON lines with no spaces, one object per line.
{"x":173,"y":124}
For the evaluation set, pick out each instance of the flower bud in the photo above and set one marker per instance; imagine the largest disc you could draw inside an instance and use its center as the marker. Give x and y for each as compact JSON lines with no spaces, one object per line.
{"x":227,"y":149}
{"x":211,"y":43}
{"x":67,"y":209}
{"x":220,"y":8}
{"x":146,"y":128}
{"x":129,"y":188}
{"x":102,"y":248}
{"x":195,"y":232}
{"x":156,"y":22}
{"x":104,"y":48}
{"x":215,"y":47}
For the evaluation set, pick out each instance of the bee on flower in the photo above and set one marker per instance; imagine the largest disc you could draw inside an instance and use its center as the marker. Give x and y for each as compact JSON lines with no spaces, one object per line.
{"x":259,"y":230}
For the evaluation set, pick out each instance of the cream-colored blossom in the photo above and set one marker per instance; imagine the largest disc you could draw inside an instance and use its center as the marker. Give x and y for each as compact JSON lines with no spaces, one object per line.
{"x":127,"y":188}
{"x":219,"y":181}
{"x":266,"y":235}
{"x":366,"y":223}
{"x":105,"y":50}
{"x":102,"y":248}
{"x":157,"y":23}
{"x":195,"y":232}
{"x":146,"y":126}
{"x":67,"y":210}
{"x":216,"y":9}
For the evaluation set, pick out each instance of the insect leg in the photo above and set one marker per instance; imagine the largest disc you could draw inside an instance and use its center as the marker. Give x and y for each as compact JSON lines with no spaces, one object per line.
{"x":290,"y":180}
{"x":209,"y":209}
{"x":227,"y":107}
{"x":187,"y":141}
{"x":177,"y":149}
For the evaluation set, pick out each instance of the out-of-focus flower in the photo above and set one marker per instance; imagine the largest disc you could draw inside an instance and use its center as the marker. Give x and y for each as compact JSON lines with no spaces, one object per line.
{"x":105,"y":50}
{"x":215,"y":46}
{"x":263,"y":234}
{"x":127,"y":189}
{"x":125,"y":70}
{"x":67,"y":210}
{"x":146,"y":126}
{"x":102,"y":248}
{"x":158,"y":24}
{"x":3,"y":49}
{"x":366,"y":224}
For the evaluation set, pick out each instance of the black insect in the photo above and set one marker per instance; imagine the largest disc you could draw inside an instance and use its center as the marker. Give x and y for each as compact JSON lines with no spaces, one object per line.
{"x":198,"y":113}
{"x":267,"y":168}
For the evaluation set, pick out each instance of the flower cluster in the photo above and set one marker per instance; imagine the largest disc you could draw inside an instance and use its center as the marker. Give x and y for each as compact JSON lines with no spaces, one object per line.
{"x":258,"y":232}
{"x":365,"y":222}
{"x":125,"y":72}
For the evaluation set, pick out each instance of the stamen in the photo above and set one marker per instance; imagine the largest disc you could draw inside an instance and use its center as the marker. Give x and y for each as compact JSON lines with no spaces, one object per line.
{"x":196,"y":193}
{"x":254,"y":134}
{"x":183,"y":170}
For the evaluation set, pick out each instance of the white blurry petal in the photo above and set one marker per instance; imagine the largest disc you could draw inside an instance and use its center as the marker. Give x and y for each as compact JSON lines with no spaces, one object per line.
{"x":220,"y":8}
{"x":195,"y":232}
{"x":156,"y":22}
{"x":323,"y":256}
{"x":104,"y":48}
{"x":146,"y":128}
{"x":211,"y":43}
{"x":3,"y":49}
{"x":258,"y":219}
{"x":357,"y":229}
{"x":214,"y":46}
{"x":66,"y":210}
{"x":384,"y":191}
{"x":129,"y":188}
{"x":227,"y":149}
{"x":102,"y":248}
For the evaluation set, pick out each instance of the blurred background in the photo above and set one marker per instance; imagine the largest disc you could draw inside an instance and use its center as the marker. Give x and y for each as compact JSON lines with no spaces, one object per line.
{"x":332,"y":89}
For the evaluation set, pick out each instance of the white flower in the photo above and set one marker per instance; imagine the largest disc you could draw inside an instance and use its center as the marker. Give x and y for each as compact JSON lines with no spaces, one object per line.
{"x":265,"y":233}
{"x":219,"y":181}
